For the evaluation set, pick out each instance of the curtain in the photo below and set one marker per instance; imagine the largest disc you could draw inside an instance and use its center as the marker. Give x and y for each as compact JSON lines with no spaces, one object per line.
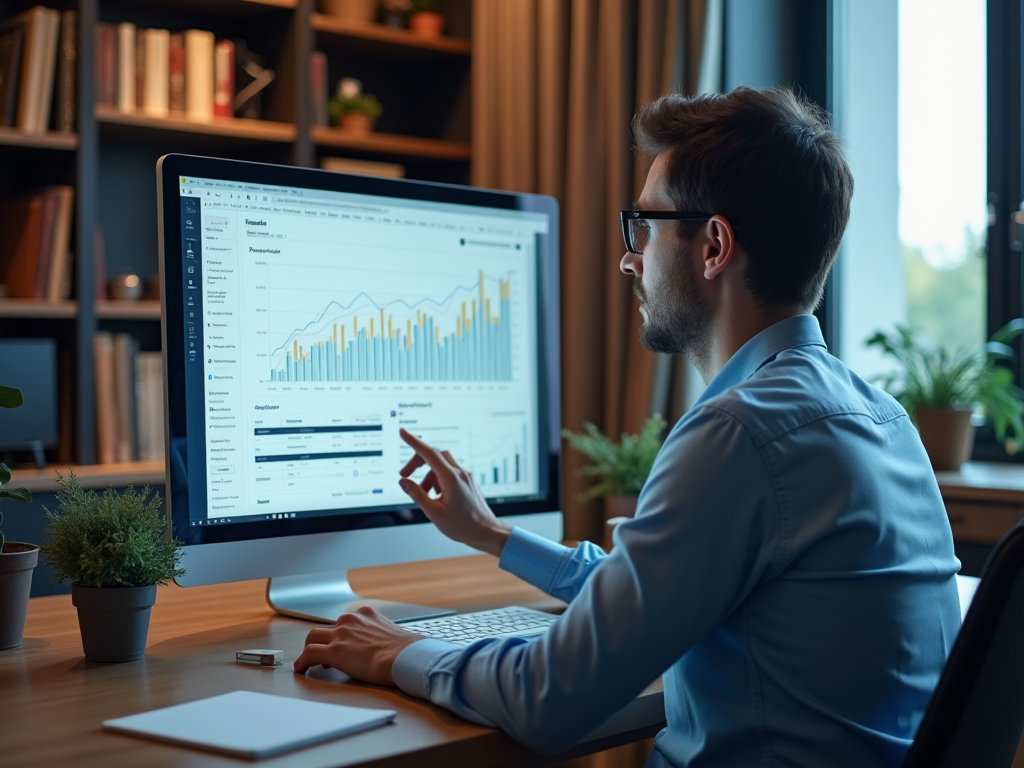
{"x":555,"y":86}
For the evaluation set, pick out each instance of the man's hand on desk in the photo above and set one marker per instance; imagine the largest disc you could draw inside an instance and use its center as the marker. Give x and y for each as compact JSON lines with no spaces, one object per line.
{"x":459,"y":511}
{"x":363,"y":645}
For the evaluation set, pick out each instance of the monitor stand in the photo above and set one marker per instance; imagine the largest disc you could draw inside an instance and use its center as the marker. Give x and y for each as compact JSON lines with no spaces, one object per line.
{"x":325,"y":596}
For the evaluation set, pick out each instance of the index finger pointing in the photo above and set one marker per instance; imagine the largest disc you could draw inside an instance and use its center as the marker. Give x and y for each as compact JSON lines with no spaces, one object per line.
{"x":430,"y":455}
{"x":311,"y":655}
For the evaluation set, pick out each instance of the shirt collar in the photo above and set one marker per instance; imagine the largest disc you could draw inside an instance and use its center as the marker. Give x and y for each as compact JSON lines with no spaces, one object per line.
{"x":796,"y":331}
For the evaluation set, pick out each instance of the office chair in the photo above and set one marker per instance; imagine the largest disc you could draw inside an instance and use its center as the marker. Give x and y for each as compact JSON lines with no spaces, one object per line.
{"x":976,"y":715}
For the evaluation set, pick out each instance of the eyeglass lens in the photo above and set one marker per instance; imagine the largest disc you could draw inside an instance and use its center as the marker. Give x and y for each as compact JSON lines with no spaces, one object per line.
{"x":639,"y":232}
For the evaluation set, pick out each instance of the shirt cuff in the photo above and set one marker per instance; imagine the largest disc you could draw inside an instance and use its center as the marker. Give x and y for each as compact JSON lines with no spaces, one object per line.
{"x":532,"y":558}
{"x":413,"y":664}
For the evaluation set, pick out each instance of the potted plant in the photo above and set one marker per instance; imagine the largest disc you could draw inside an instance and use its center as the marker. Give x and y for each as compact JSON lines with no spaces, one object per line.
{"x":424,"y":20}
{"x":351,"y":109}
{"x":941,"y":389}
{"x":113,"y":548}
{"x":618,"y":469}
{"x":17,"y":559}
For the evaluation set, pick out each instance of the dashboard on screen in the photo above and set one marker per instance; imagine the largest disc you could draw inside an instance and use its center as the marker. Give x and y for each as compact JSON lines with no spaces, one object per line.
{"x":314,"y":323}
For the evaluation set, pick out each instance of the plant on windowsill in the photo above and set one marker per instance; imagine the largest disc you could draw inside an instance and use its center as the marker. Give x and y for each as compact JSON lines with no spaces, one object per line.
{"x":17,"y":559}
{"x":941,"y":389}
{"x":114,"y":549}
{"x":351,"y":109}
{"x":618,"y":469}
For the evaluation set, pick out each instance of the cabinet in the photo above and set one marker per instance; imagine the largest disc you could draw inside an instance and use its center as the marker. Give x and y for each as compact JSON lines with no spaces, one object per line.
{"x":424,"y":85}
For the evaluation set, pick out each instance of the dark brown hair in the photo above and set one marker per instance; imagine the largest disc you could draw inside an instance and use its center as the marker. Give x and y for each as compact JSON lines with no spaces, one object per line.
{"x":768,"y":162}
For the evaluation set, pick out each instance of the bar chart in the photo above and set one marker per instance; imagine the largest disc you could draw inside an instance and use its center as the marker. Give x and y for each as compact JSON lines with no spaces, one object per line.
{"x":464,"y":336}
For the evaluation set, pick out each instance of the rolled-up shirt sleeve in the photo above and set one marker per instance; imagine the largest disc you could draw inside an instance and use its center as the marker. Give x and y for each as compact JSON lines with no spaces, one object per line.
{"x":706,"y":533}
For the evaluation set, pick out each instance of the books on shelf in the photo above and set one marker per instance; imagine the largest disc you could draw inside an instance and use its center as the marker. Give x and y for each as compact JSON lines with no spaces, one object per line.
{"x":31,"y":44}
{"x":198,"y":74}
{"x":318,"y":87}
{"x":35,"y":262}
{"x":129,"y":400}
{"x":224,"y":79}
{"x":363,"y":167}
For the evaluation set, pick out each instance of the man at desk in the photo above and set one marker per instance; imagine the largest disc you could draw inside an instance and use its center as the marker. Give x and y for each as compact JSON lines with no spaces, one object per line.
{"x":790,"y":569}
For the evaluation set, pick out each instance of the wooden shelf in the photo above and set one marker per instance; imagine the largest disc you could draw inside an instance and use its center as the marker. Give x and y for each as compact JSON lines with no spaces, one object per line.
{"x":390,"y":144}
{"x":235,"y":128}
{"x":12,"y":137}
{"x":387,"y":41}
{"x":128,"y":310}
{"x":37,"y":308}
{"x":137,"y":473}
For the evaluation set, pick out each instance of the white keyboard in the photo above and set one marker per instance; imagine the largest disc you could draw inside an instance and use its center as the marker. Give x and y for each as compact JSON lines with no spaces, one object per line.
{"x":466,"y":628}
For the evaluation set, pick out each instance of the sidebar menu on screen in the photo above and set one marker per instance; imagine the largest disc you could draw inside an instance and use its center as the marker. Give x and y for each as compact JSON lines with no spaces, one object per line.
{"x":191,"y":275}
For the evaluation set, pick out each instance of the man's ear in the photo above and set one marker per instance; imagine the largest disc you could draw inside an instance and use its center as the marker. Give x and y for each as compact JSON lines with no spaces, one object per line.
{"x":719,"y":246}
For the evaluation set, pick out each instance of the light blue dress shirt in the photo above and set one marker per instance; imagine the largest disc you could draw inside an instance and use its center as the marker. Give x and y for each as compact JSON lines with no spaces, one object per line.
{"x":789,"y":572}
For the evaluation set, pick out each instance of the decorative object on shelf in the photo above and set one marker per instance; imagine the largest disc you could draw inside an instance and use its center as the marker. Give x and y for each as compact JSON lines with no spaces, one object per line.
{"x":251,"y":79}
{"x":364,"y":11}
{"x":424,"y":20}
{"x":113,"y":549}
{"x":152,"y":292}
{"x":942,"y":389}
{"x":17,"y":559}
{"x":619,"y":469}
{"x":393,"y":12}
{"x":351,"y":109}
{"x":125,"y":287}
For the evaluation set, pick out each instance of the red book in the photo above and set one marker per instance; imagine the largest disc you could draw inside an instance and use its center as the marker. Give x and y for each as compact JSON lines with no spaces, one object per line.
{"x":49,"y":222}
{"x":176,"y":70}
{"x":106,"y":63}
{"x":224,"y":79}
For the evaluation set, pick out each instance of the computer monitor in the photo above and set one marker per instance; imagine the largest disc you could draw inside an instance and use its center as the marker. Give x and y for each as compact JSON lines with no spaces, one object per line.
{"x":307,"y":316}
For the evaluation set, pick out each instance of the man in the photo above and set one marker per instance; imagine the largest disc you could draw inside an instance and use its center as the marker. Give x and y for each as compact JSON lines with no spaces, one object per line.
{"x":790,"y":567}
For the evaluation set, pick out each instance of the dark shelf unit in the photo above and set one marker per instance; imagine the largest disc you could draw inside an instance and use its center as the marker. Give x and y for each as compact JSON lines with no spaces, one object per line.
{"x":110,"y":158}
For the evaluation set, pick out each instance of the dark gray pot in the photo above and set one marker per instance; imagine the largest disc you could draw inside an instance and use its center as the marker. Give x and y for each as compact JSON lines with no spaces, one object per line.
{"x":114,"y":621}
{"x":16,"y":563}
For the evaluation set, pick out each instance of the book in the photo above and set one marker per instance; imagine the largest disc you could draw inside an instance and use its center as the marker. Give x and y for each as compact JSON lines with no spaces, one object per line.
{"x":176,"y":73}
{"x":99,"y":263}
{"x":42,"y":265}
{"x":58,"y":284}
{"x":199,"y":74}
{"x":103,"y":374}
{"x":149,"y":405}
{"x":363,"y":167}
{"x":318,"y":87}
{"x":106,"y":64}
{"x":39,"y":27}
{"x":156,"y":101}
{"x":21,"y":221}
{"x":126,"y":67}
{"x":10,"y":69}
{"x":224,"y":79}
{"x":51,"y":32}
{"x":124,"y":397}
{"x":67,"y":64}
{"x":140,"y":69}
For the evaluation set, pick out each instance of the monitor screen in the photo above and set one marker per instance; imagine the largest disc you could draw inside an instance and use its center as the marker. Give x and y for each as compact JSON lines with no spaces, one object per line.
{"x":309,"y":315}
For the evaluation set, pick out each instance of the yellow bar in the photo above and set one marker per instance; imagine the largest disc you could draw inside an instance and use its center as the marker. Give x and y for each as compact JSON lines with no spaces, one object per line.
{"x":437,"y":335}
{"x":295,"y":349}
{"x":371,"y":327}
{"x":355,"y":326}
{"x":487,"y":308}
{"x":334,"y":335}
{"x":343,"y":338}
{"x":408,"y":334}
{"x":458,"y":327}
{"x":391,"y":332}
{"x":481,"y":292}
{"x":382,"y":323}
{"x":464,"y":325}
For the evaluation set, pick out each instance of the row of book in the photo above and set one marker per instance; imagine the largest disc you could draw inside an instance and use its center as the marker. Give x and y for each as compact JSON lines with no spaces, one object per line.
{"x":157,"y":73}
{"x":129,"y":400}
{"x":38,"y":50}
{"x":35,"y":255}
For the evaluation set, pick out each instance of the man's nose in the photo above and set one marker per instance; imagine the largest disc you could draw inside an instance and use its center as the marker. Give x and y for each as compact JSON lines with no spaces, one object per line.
{"x":631,"y":264}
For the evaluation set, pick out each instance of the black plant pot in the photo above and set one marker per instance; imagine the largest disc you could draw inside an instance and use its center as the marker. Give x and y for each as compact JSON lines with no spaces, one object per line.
{"x":16,"y":563}
{"x":114,"y":621}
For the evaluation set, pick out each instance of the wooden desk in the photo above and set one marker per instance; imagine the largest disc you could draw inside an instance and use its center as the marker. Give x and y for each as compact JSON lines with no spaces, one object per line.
{"x":983,"y":500}
{"x":53,"y":701}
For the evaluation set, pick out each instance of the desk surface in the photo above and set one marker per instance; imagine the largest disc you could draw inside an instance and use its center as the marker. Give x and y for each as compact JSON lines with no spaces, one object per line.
{"x":53,"y":700}
{"x":983,"y":481}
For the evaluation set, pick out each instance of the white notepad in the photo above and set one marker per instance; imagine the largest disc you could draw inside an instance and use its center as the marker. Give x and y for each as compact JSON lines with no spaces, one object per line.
{"x":250,"y":724}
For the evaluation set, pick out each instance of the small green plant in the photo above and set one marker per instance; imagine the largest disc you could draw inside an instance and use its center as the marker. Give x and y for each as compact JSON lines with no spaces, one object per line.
{"x":10,"y":398}
{"x":618,"y":468}
{"x":965,"y":378}
{"x":110,"y":539}
{"x":350,"y":99}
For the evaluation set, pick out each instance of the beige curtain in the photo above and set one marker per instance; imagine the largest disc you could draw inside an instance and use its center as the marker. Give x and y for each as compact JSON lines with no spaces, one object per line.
{"x":555,"y":86}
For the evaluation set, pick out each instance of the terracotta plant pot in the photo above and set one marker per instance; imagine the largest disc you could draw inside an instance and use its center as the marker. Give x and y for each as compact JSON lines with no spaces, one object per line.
{"x":16,"y":563}
{"x":355,"y":122}
{"x":114,"y":621}
{"x":947,"y":434}
{"x":616,"y":510}
{"x":427,"y":24}
{"x":364,"y":11}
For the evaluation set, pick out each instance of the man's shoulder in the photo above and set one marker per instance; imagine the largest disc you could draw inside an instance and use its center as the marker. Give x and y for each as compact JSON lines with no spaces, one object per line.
{"x":799,"y":388}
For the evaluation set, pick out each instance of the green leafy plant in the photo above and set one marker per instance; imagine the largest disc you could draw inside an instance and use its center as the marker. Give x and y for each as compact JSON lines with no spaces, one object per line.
{"x":618,"y":468}
{"x":350,"y":99}
{"x":10,"y":398}
{"x":965,"y":378}
{"x":110,"y":539}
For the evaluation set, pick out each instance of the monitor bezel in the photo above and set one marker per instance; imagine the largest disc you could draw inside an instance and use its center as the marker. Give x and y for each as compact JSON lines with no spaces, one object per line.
{"x":170,"y":168}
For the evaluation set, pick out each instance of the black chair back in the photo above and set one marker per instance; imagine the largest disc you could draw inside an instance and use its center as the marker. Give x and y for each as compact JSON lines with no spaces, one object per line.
{"x":976,"y":715}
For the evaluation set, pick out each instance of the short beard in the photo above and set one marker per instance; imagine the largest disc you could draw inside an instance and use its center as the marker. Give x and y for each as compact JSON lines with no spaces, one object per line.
{"x":680,"y":320}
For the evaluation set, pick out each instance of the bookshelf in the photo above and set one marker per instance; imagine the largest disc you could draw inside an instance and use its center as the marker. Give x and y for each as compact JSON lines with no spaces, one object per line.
{"x":109,"y":159}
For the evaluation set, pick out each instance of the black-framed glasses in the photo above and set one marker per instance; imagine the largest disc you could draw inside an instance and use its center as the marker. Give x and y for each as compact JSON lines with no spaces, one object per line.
{"x":636,"y":228}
